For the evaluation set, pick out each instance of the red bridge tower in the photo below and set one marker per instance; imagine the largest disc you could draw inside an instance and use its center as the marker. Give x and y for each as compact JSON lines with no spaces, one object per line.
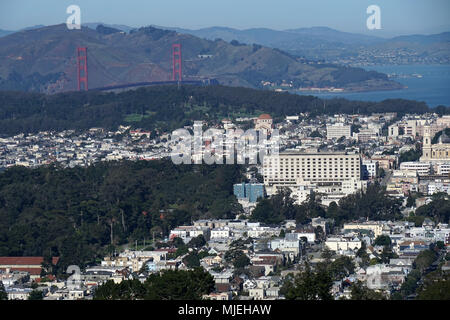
{"x":176,"y":57}
{"x":82,"y":68}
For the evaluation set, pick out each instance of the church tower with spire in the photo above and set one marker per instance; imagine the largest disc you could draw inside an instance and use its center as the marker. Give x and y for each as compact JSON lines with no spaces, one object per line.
{"x":426,"y":148}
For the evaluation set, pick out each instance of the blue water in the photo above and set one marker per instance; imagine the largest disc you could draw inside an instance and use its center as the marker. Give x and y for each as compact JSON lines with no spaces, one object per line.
{"x":433,"y":88}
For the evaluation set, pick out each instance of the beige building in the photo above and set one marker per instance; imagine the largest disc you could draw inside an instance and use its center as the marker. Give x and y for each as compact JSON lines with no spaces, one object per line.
{"x":404,"y":176}
{"x":443,"y":121}
{"x":434,"y":127}
{"x":386,"y":162}
{"x":409,"y":128}
{"x":435,"y":152}
{"x":415,"y":128}
{"x":218,"y":296}
{"x":264,"y":123}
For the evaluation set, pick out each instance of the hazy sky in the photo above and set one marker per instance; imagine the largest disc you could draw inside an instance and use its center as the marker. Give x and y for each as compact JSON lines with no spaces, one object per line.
{"x":397,"y":16}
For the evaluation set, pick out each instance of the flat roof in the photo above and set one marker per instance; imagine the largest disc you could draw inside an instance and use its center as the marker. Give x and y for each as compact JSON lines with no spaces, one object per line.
{"x":296,"y":153}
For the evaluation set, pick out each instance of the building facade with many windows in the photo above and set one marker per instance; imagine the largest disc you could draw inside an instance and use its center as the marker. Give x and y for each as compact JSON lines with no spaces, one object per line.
{"x":338,"y":130}
{"x":294,"y":168}
{"x":249,"y":191}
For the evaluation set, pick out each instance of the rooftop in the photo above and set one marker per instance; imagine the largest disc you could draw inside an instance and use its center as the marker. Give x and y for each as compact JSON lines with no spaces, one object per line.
{"x":25,"y":260}
{"x":264,"y":116}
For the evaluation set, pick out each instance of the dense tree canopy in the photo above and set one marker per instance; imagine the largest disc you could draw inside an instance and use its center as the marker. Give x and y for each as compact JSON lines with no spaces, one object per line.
{"x":309,"y":285}
{"x":282,"y":206}
{"x":197,"y":242}
{"x":169,"y":107}
{"x":438,"y":209}
{"x":424,"y":259}
{"x":382,"y":240}
{"x":169,"y":285}
{"x":438,"y":134}
{"x":436,"y":290}
{"x":411,"y":155}
{"x":373,"y":204}
{"x":341,"y":267}
{"x":360,"y":291}
{"x":3,"y":294}
{"x":35,"y":295}
{"x":76,"y":213}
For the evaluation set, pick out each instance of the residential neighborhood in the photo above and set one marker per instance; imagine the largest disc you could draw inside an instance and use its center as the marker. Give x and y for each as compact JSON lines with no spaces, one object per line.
{"x":322,"y":159}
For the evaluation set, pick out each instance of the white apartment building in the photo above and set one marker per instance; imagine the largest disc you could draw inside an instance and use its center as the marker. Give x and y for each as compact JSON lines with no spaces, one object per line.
{"x":133,"y":259}
{"x":352,"y":185}
{"x":393,"y":130}
{"x":436,"y":234}
{"x":375,"y":127}
{"x":18,"y":293}
{"x":310,"y":236}
{"x":422,"y":168}
{"x":370,"y":168}
{"x":338,"y":130}
{"x":375,"y":227}
{"x":435,"y":187}
{"x":257,"y":232}
{"x":295,"y":168}
{"x":301,"y":193}
{"x":188,"y":232}
{"x":286,"y":245}
{"x":220,"y":233}
{"x":443,"y":168}
{"x":343,"y":244}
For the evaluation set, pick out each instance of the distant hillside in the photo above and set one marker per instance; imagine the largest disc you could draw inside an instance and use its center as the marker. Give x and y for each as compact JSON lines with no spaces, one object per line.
{"x":5,"y":32}
{"x":121,"y":27}
{"x":323,"y":43}
{"x":423,"y":39}
{"x":43,"y":60}
{"x":8,"y":32}
{"x":331,"y":35}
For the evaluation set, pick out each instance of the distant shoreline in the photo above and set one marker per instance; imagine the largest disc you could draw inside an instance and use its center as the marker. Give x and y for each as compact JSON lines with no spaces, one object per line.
{"x":433,"y":87}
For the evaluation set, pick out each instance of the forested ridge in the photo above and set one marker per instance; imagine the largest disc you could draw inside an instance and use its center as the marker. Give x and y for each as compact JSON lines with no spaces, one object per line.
{"x":70,"y":212}
{"x":168,"y":107}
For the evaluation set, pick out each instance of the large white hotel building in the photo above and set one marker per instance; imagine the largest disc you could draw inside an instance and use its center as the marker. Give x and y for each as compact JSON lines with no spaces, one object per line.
{"x":295,"y":168}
